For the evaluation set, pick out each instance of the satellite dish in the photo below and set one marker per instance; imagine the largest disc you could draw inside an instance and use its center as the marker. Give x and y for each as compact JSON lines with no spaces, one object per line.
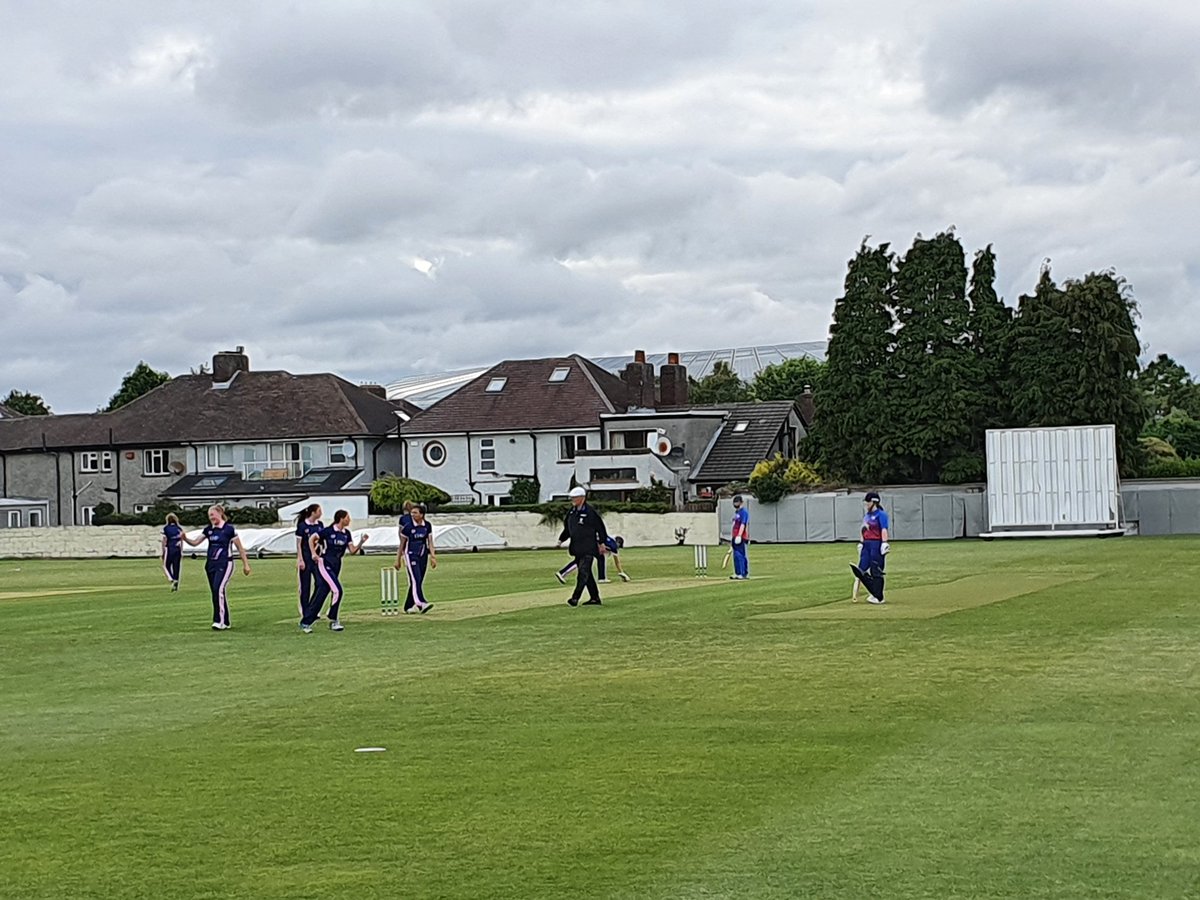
{"x":178,"y":468}
{"x":349,"y":450}
{"x":661,"y":445}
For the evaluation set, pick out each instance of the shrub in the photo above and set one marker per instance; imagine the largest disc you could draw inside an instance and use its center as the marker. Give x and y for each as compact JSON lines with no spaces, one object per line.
{"x":1179,"y":430}
{"x":656,"y":493}
{"x":1173,"y":468}
{"x":190,"y":518}
{"x":525,"y":491}
{"x":388,"y":494}
{"x":773,"y":479}
{"x":1157,"y":450}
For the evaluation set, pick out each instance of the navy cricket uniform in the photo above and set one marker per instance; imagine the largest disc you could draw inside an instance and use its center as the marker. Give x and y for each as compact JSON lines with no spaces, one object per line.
{"x":871,"y":560}
{"x":173,"y":554}
{"x":308,"y":575}
{"x":219,"y":568}
{"x":334,"y":544}
{"x":614,"y":549}
{"x":416,"y":562}
{"x":584,"y":529}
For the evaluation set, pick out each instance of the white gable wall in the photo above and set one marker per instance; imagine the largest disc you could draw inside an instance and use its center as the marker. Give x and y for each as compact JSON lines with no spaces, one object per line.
{"x":516,"y":454}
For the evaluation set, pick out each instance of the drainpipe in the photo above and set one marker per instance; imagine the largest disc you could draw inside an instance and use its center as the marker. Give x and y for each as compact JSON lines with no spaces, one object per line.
{"x":471,"y":471}
{"x":117,"y":467}
{"x":3,"y":474}
{"x":536,"y":477}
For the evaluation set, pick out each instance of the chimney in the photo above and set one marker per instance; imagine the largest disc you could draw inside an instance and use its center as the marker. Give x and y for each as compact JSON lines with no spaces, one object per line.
{"x":228,"y":363}
{"x":639,"y":379}
{"x":375,"y":390}
{"x":673,"y":382}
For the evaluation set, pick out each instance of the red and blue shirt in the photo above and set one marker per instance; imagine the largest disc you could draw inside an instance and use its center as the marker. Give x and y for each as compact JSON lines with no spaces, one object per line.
{"x":874,"y":525}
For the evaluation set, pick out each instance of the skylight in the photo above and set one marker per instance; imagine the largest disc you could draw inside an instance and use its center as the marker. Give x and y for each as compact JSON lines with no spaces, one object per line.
{"x":496,"y":385}
{"x":211,"y":481}
{"x":560,"y":374}
{"x":740,"y":427}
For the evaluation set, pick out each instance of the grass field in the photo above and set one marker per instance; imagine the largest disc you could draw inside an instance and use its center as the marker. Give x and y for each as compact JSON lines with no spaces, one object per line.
{"x":1023,"y":720}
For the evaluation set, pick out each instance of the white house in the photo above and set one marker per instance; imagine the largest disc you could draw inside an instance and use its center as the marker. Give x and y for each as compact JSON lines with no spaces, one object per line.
{"x":525,"y":418}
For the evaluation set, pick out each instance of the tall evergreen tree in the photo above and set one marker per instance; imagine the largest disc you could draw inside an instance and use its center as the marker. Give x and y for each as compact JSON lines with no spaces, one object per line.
{"x":1075,"y":360}
{"x":852,"y":405}
{"x":991,"y":320}
{"x":935,"y":379}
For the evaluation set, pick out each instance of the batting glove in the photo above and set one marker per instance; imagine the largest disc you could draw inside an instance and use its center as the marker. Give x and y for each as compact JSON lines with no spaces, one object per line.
{"x":884,"y":548}
{"x":860,"y":548}
{"x":737,"y":540}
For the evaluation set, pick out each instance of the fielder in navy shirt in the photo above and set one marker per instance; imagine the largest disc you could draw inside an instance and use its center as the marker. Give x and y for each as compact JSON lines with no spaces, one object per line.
{"x":328,"y":547}
{"x":172,"y":550}
{"x":222,"y":541}
{"x":416,"y":556}
{"x":308,"y":523}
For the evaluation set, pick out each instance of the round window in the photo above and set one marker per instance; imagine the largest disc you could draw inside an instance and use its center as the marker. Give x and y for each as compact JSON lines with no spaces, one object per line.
{"x":435,"y":453}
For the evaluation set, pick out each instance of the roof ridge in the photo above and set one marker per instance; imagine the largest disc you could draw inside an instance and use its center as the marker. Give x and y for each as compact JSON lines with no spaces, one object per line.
{"x":585,"y":365}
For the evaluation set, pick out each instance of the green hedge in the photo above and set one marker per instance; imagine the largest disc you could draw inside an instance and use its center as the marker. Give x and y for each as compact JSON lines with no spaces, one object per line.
{"x":1173,"y":468}
{"x":390,"y":493}
{"x":192,"y":518}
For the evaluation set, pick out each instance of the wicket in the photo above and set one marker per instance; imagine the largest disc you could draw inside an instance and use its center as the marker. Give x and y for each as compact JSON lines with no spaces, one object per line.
{"x":701,"y":560}
{"x":389,"y":592}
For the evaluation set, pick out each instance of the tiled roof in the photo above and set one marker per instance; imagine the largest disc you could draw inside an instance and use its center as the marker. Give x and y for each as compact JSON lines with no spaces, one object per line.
{"x":734,"y":454}
{"x":255,"y":406}
{"x":7,"y":413}
{"x":528,"y":399}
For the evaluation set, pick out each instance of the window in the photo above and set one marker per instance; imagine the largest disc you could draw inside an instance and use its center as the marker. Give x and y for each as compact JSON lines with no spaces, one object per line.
{"x":740,"y":427}
{"x":569,"y":445}
{"x":496,"y":385}
{"x":263,"y":504}
{"x":434,"y":453}
{"x":487,"y":455}
{"x":599,"y":476}
{"x":93,"y":461}
{"x":14,"y":518}
{"x":314,"y":478}
{"x":211,"y":481}
{"x":35,"y":518}
{"x":140,"y":508}
{"x":337,"y":453}
{"x":85,"y":514}
{"x":559,"y":375}
{"x":156,"y":462}
{"x":629,"y":440}
{"x":218,"y":456}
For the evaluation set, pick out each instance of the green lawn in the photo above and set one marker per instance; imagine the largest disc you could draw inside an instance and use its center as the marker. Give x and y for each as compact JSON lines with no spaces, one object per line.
{"x":1023,"y":720}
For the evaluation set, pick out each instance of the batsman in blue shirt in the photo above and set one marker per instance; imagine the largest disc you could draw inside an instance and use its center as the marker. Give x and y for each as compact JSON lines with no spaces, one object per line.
{"x":874,"y":548}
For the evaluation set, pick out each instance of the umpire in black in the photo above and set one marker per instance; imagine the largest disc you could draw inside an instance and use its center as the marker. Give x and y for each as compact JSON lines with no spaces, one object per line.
{"x":585,"y":531}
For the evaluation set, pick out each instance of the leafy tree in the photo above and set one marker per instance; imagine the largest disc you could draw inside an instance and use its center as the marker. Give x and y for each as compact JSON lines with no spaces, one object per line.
{"x":789,"y":380}
{"x":525,"y":491}
{"x":936,"y":383}
{"x":853,"y":401}
{"x":1075,"y":360}
{"x":1169,"y":386}
{"x":1179,"y":431}
{"x":25,"y":403}
{"x":720,"y":386}
{"x":142,"y":380}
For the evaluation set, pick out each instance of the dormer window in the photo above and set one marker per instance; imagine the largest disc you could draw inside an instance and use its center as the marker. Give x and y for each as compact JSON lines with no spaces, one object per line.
{"x":559,"y":375}
{"x":496,"y":385}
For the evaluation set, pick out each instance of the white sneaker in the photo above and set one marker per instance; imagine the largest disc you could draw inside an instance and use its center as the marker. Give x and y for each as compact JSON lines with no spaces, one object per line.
{"x":336,"y":626}
{"x":559,"y":576}
{"x":217,"y":626}
{"x":624,"y":577}
{"x":875,"y":600}
{"x":307,"y":629}
{"x":602,"y":581}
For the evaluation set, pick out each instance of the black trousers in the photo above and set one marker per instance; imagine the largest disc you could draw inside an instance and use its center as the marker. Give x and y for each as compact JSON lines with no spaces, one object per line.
{"x":584,"y":579}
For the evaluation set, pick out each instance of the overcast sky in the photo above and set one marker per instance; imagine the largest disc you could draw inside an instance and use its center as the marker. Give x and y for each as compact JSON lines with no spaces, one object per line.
{"x":386,"y":188}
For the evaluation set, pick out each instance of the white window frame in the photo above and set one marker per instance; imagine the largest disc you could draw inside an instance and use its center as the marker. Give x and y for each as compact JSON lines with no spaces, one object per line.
{"x":163,"y":461}
{"x":212,"y":458}
{"x":338,"y":449}
{"x":560,"y":374}
{"x":431,"y":445}
{"x":496,"y":385}
{"x":580,"y":443}
{"x":35,"y":518}
{"x":139,"y":508}
{"x":487,"y":464}
{"x":14,"y":518}
{"x":89,"y":462}
{"x":85,"y":515}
